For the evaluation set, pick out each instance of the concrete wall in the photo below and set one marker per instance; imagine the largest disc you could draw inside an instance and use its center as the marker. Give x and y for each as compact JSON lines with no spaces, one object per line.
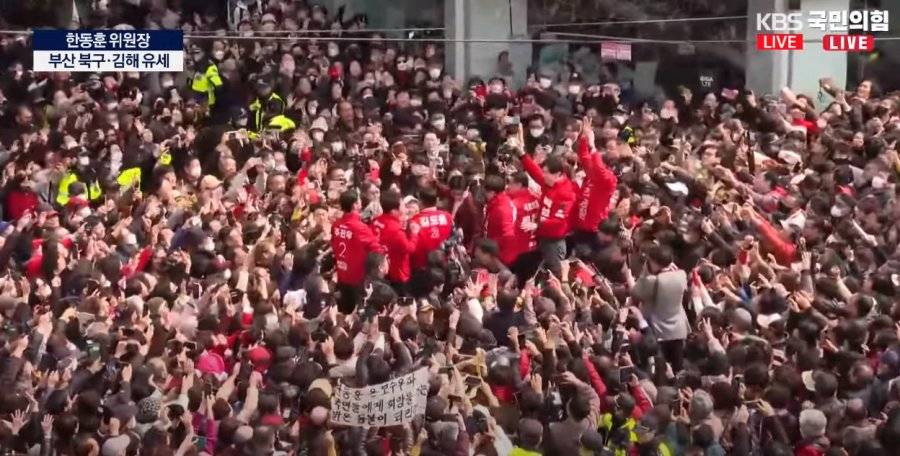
{"x":813,"y":62}
{"x":766,"y":71}
{"x":486,"y":19}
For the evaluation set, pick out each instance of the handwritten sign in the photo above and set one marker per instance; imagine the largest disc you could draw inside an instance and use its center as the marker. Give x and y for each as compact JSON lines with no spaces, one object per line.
{"x":391,"y":403}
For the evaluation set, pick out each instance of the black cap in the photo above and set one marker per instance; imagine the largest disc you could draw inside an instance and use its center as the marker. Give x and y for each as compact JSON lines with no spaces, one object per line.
{"x":262,"y":84}
{"x":239,"y":112}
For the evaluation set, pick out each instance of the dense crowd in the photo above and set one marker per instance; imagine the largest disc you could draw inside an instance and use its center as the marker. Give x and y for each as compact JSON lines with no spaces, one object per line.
{"x":193,"y":263}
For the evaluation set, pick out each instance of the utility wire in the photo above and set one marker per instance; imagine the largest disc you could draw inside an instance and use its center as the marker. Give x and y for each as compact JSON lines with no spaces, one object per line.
{"x":572,"y":38}
{"x":639,"y":21}
{"x":329,"y":31}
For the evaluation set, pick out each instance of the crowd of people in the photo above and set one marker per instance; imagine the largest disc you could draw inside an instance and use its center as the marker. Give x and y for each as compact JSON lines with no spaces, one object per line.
{"x":193,"y":263}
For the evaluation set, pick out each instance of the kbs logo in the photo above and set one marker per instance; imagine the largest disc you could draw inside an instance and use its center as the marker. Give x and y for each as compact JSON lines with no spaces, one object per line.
{"x":779,"y":22}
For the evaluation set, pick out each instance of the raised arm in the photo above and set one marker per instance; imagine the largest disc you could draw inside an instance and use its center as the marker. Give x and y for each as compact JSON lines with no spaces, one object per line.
{"x":533,"y":170}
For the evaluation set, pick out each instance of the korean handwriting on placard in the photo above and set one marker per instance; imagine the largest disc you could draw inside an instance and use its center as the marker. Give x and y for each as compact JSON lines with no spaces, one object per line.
{"x":390,"y":403}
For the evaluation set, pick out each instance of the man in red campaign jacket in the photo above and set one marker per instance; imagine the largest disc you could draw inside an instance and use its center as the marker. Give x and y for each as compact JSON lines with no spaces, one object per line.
{"x":528,"y":210}
{"x":557,"y":201}
{"x":499,"y":218}
{"x":597,"y":189}
{"x":400,"y":247}
{"x":351,"y":241}
{"x":434,"y":227}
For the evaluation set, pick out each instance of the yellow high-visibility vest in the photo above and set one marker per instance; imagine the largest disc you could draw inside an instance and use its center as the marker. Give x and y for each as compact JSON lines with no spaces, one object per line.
{"x":207,"y":82}
{"x":282,"y":123}
{"x":62,"y":194}
{"x":606,"y":424}
{"x":165,"y":158}
{"x":130,"y":177}
{"x":257,"y":108}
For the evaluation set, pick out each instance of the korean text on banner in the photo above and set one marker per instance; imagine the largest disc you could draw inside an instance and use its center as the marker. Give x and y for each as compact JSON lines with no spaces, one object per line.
{"x":391,"y":403}
{"x":610,"y":50}
{"x":108,"y":50}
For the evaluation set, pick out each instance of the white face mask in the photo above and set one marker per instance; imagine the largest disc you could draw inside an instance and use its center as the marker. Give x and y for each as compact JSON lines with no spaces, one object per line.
{"x":333,"y":51}
{"x":545,"y":83}
{"x":574,"y":89}
{"x":84,"y":161}
{"x":415,"y":102}
{"x":337,"y":146}
{"x":195,"y":172}
{"x":318,"y":136}
{"x":115,"y":155}
{"x":434,"y":73}
{"x":129,"y":239}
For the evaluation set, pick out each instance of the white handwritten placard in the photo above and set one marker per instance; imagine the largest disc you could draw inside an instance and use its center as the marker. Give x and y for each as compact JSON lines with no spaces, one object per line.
{"x":391,"y":403}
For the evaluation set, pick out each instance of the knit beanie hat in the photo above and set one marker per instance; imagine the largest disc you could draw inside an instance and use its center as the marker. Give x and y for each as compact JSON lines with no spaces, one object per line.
{"x":148,"y":410}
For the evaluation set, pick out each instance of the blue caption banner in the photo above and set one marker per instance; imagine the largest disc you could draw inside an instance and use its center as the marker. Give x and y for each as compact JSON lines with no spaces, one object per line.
{"x":108,"y":40}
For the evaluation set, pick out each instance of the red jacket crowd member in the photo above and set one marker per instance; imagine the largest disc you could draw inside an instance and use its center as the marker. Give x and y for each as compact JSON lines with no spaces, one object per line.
{"x":434,"y":226}
{"x":351,"y":241}
{"x":500,"y":218}
{"x":528,"y":210}
{"x":557,"y":202}
{"x":389,"y":229}
{"x":592,"y":205}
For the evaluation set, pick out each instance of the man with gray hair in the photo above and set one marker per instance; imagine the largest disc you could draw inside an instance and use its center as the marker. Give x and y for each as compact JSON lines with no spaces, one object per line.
{"x":812,"y":431}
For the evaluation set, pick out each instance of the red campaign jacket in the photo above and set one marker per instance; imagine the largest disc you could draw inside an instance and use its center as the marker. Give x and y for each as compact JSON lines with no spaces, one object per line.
{"x":435,"y":228}
{"x":500,"y":225}
{"x":351,"y":241}
{"x":399,"y":246}
{"x":557,"y":203}
{"x":592,"y":206}
{"x":528,"y":209}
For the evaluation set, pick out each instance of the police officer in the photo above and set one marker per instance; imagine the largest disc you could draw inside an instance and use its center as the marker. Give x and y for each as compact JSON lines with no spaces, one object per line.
{"x":264,"y":94}
{"x":273,"y":116}
{"x":206,"y":84}
{"x":81,"y":171}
